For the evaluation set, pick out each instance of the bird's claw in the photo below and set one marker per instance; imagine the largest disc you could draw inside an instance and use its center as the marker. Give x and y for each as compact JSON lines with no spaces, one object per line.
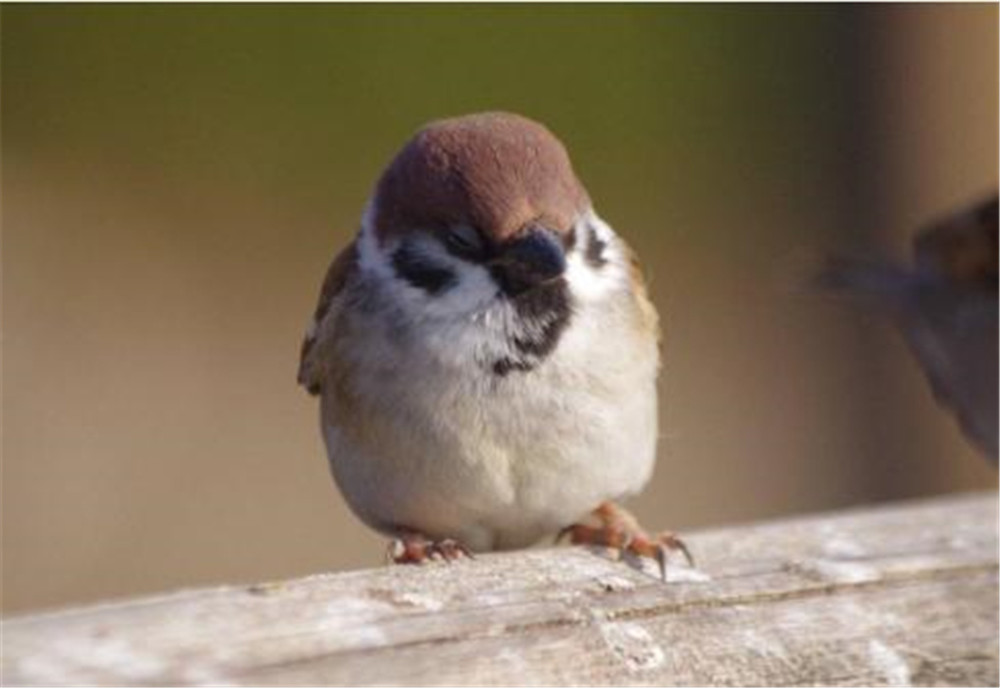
{"x":619,"y":531}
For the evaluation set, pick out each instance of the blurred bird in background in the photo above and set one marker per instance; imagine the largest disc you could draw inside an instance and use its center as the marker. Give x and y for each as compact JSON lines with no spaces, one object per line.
{"x":946,"y":307}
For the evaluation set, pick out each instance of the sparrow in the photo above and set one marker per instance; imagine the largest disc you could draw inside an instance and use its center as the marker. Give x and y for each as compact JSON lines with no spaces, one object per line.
{"x":946,"y":306}
{"x":485,"y":353}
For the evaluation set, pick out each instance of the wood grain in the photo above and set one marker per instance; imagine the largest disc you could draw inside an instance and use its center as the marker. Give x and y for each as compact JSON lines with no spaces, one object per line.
{"x":903,"y":594}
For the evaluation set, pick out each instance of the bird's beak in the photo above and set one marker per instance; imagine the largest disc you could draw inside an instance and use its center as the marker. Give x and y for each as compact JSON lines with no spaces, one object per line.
{"x":532,"y":258}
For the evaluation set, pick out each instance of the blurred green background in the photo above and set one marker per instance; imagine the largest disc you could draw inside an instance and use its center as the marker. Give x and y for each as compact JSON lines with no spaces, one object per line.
{"x":176,"y":179}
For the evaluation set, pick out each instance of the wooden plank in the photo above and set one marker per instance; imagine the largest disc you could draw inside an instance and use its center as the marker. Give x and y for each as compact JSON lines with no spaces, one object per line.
{"x":895,"y":595}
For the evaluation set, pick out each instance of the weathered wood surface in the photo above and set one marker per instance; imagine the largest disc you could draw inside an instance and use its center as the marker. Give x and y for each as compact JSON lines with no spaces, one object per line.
{"x":895,"y":595}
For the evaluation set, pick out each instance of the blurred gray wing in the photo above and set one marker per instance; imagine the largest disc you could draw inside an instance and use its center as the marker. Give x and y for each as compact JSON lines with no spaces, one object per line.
{"x":947,"y":308}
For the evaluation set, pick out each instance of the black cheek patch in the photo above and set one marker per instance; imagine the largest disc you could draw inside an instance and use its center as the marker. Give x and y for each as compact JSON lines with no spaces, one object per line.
{"x":594,"y":253}
{"x":420,"y":271}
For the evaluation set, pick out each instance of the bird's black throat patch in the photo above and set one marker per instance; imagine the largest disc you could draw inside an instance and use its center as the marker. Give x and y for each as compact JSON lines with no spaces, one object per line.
{"x":545,"y":311}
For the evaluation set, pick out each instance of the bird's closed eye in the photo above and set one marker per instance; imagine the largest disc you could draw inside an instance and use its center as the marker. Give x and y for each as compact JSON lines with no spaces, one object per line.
{"x":465,"y":241}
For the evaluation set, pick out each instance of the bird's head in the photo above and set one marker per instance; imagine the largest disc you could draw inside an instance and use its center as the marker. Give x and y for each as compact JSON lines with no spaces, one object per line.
{"x":482,"y":217}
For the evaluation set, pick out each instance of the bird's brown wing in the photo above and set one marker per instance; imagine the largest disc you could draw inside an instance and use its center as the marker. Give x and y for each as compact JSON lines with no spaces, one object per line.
{"x":649,"y":319}
{"x":311,"y":365}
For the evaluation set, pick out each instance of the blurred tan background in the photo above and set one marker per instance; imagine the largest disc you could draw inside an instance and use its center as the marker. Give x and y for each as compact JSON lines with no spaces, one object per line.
{"x":176,"y":179}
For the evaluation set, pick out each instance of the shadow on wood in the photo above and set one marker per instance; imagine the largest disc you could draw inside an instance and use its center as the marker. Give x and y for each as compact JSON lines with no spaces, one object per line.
{"x":894,"y":595}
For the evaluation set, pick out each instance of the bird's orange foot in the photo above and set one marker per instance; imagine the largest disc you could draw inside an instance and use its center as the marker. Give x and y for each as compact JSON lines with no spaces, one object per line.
{"x":413,"y":548}
{"x":619,"y":530}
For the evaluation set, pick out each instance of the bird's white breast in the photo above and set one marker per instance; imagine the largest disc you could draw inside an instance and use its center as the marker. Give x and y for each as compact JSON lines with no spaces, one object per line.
{"x":420,"y":437}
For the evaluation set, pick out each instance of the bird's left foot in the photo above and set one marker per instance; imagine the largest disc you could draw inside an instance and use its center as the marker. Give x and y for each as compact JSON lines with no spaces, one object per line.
{"x":413,"y":548}
{"x":619,"y":530}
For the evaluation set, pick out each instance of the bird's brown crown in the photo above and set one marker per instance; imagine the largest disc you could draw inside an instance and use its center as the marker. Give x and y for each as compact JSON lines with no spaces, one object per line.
{"x":495,"y":171}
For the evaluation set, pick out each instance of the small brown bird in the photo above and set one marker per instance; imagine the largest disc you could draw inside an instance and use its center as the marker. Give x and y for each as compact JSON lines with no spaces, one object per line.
{"x":485,"y":352}
{"x":947,"y":308}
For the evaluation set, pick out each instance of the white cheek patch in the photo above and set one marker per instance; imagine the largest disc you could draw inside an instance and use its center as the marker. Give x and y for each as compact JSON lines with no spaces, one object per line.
{"x":588,"y":282}
{"x":600,"y":227}
{"x":474,"y":288}
{"x":472,"y":291}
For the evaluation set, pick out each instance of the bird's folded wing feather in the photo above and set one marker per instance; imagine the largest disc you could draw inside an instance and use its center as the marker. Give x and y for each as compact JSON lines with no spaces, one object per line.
{"x":648,"y":317}
{"x":311,"y":366}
